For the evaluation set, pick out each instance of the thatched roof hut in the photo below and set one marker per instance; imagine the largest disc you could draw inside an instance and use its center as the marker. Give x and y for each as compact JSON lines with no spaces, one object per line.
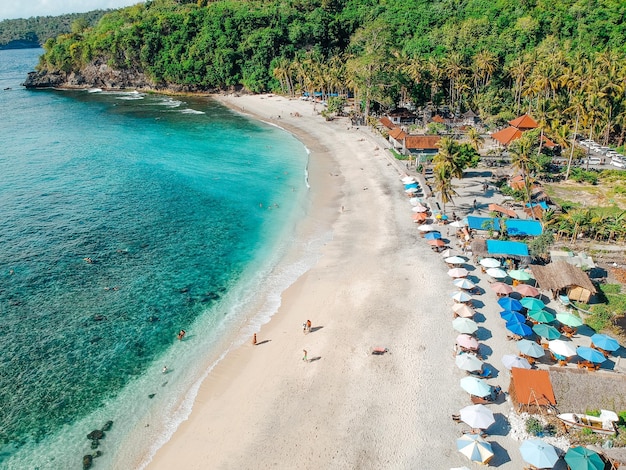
{"x":560,"y":277}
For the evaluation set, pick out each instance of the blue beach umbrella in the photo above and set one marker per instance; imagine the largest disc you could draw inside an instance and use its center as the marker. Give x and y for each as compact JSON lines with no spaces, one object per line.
{"x":538,"y":453}
{"x":410,"y":185}
{"x":605,"y":342}
{"x":507,"y":303}
{"x":475,"y":386}
{"x":541,"y":316}
{"x":509,"y":315}
{"x":546,"y":331}
{"x":432,"y":236}
{"x":581,"y":458}
{"x":518,"y":328}
{"x":530,"y":348}
{"x":590,"y":354}
{"x":532,"y":304}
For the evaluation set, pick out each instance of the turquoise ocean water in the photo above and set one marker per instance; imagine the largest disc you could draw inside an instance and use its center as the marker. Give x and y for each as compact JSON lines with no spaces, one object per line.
{"x":184,"y":208}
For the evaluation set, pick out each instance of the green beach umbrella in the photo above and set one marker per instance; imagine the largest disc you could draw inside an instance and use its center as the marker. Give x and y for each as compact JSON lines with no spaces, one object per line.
{"x":546,"y":331}
{"x":569,"y":320}
{"x":541,"y":316}
{"x":532,"y":304}
{"x":581,"y":458}
{"x":520,"y":275}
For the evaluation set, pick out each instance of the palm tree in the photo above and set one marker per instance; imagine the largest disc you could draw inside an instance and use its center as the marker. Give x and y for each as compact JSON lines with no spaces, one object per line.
{"x":522,"y":159}
{"x":476,"y":140}
{"x":443,"y":185}
{"x":447,"y":158}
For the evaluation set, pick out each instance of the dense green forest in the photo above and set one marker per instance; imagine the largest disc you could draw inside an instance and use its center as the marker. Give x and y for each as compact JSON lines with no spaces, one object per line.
{"x":562,"y":60}
{"x":35,"y":31}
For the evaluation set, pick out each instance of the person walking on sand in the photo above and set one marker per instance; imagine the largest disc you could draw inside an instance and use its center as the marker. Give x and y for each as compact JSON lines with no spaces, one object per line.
{"x":181,"y":334}
{"x":308,"y":325}
{"x":254,"y":339}
{"x":304,"y":328}
{"x":304,"y":358}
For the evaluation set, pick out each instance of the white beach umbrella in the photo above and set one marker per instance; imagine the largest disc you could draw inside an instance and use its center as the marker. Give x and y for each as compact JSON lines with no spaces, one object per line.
{"x":408,"y":180}
{"x":468,"y":362}
{"x":420,"y":208}
{"x":447,"y":253}
{"x":511,"y":360}
{"x":414,"y":201}
{"x":461,"y":296}
{"x":562,"y":348}
{"x":464,"y":325}
{"x":426,"y":228}
{"x":496,"y":273}
{"x":463,"y":283}
{"x":455,"y":260}
{"x":477,"y":416}
{"x":411,"y":190}
{"x":457,"y":224}
{"x":490,"y":263}
{"x":458,"y":272}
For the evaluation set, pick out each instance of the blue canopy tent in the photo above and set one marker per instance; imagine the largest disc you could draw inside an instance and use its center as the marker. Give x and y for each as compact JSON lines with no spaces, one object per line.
{"x":483,"y":223}
{"x":523,"y":228}
{"x":503,"y":248}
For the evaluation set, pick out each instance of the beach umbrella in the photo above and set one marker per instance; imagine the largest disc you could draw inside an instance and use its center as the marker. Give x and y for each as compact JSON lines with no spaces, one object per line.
{"x":501,"y":288}
{"x":530,"y":348}
{"x":496,"y":273}
{"x":436,"y":242}
{"x":426,"y":228}
{"x":411,"y":185}
{"x":455,"y":260}
{"x":477,"y":416}
{"x":541,"y":316}
{"x":604,"y":342}
{"x":568,"y":319}
{"x":474,"y":448}
{"x":467,"y":341}
{"x":526,"y":290}
{"x":581,"y":458}
{"x":518,"y":328}
{"x":414,"y":201}
{"x":447,"y":253}
{"x":468,"y":362}
{"x":463,"y":283}
{"x":508,"y":303}
{"x":461,"y":296}
{"x":421,"y":209}
{"x":546,"y":331}
{"x":538,"y":453}
{"x":411,"y":190}
{"x":520,"y":275}
{"x":464,"y":325}
{"x":458,"y":224}
{"x":490,"y":263}
{"x":443,"y":217}
{"x":511,"y":360}
{"x":590,"y":354}
{"x":532,"y":304}
{"x":432,"y":236}
{"x":458,"y":272}
{"x":475,"y":386}
{"x":421,"y":217}
{"x":463,"y":310}
{"x":562,"y":348}
{"x":510,"y":315}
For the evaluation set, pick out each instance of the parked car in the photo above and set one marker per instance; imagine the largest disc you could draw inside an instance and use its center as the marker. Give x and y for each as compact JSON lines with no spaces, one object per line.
{"x":618,"y":162}
{"x":593,"y":161}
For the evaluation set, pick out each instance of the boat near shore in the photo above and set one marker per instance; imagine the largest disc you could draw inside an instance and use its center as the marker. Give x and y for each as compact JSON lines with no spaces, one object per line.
{"x":603,"y":424}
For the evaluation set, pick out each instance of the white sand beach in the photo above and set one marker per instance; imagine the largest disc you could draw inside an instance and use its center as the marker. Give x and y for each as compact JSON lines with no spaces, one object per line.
{"x":377,"y":284}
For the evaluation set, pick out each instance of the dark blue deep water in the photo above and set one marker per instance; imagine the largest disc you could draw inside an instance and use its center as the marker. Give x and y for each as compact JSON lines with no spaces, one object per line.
{"x":124,"y":218}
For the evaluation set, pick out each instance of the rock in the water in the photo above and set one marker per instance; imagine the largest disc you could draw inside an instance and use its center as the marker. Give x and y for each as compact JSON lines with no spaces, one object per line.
{"x":151,"y":395}
{"x":107,"y":426}
{"x":95,"y":434}
{"x":97,"y":453}
{"x":87,"y":461}
{"x":95,"y":443}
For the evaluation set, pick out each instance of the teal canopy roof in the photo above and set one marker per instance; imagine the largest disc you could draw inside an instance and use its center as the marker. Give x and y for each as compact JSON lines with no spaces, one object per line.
{"x":497,"y":247}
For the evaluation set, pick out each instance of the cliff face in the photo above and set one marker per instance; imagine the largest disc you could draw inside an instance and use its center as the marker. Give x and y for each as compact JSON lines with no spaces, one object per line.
{"x":94,"y":75}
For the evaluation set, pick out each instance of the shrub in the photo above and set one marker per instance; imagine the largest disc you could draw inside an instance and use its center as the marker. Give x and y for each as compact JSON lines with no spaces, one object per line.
{"x":534,"y":426}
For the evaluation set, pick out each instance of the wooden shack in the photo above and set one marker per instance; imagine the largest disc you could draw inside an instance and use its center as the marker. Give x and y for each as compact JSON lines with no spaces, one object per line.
{"x":560,"y":278}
